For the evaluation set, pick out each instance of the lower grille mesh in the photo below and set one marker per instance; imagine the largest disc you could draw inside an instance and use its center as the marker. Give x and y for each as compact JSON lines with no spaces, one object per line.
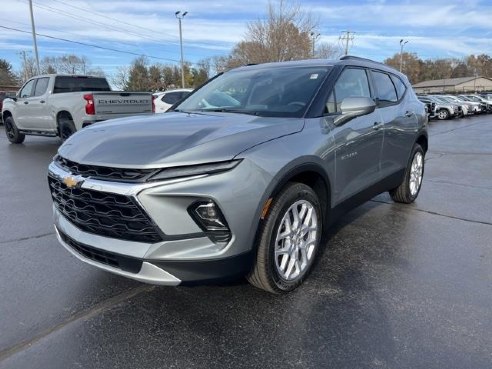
{"x":125,"y":263}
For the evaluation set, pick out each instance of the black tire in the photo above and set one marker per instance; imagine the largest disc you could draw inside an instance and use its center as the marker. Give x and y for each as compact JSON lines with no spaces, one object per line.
{"x":12,"y":132}
{"x":402,"y":193}
{"x":264,"y":274}
{"x":443,"y":114}
{"x":66,"y":127}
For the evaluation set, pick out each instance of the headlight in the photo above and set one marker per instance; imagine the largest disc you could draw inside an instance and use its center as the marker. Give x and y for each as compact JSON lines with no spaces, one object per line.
{"x":194,"y":170}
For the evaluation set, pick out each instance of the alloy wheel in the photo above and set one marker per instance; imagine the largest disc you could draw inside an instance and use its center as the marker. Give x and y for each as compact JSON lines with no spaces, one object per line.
{"x":295,"y":242}
{"x":416,"y":173}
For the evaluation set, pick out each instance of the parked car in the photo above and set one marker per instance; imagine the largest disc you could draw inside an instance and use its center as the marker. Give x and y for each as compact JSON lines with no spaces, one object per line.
{"x":4,"y":95}
{"x":471,"y":107}
{"x":164,"y":100}
{"x":484,"y":105}
{"x":441,"y":110}
{"x":59,"y":105}
{"x":464,"y":108}
{"x":224,"y":186}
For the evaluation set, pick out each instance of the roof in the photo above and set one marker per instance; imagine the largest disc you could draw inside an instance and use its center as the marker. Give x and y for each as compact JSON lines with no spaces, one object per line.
{"x":345,"y":60}
{"x":445,"y":82}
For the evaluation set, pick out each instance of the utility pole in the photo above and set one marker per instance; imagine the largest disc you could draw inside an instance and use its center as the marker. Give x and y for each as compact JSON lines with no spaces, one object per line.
{"x":180,"y":16}
{"x":34,"y":38}
{"x":347,"y":37}
{"x":402,"y":43}
{"x":314,"y":35}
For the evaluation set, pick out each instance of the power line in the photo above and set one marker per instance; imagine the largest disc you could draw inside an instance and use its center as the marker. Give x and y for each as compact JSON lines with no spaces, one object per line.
{"x":94,"y":22}
{"x":102,"y":15}
{"x":90,"y":45}
{"x":87,"y":10}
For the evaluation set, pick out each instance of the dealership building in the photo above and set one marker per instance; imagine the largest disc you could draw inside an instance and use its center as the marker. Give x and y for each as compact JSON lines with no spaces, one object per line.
{"x":454,"y":85}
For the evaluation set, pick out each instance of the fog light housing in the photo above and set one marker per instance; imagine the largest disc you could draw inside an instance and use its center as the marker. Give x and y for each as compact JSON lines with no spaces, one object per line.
{"x":210,"y":219}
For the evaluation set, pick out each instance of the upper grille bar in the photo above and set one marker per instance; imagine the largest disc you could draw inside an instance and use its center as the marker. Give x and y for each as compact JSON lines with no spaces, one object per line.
{"x":105,"y":173}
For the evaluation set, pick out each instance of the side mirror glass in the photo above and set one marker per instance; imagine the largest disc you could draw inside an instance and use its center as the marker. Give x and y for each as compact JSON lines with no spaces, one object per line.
{"x":353,"y":107}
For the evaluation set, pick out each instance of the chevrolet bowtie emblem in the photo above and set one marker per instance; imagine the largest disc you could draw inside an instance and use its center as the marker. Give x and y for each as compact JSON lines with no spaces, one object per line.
{"x":71,"y":182}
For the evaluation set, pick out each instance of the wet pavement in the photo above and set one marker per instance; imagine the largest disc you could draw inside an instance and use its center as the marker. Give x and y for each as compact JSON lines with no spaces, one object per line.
{"x":397,"y":286}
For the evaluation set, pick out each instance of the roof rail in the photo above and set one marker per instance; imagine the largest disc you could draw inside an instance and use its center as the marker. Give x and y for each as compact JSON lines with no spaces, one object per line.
{"x":352,"y":57}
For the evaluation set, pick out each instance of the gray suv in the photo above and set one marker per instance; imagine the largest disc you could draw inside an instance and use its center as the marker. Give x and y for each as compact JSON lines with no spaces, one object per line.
{"x":243,"y":177}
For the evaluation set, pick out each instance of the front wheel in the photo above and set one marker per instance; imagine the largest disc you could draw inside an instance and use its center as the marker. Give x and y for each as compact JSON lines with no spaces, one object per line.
{"x":409,"y":189}
{"x":289,"y":240}
{"x":12,"y":132}
{"x":443,"y":114}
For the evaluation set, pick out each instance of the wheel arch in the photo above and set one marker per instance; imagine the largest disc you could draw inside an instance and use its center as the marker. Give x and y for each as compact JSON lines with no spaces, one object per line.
{"x":7,"y":114}
{"x":423,"y":141}
{"x":309,"y":173}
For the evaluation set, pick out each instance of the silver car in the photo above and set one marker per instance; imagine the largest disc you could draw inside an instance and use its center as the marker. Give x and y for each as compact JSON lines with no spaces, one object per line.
{"x":243,"y":177}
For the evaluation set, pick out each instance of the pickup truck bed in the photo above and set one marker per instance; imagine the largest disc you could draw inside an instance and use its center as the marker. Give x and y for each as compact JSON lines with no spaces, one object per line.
{"x":60,"y":105}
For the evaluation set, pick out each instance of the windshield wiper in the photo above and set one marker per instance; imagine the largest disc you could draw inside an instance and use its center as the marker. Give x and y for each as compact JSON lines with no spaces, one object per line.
{"x":227,"y":110}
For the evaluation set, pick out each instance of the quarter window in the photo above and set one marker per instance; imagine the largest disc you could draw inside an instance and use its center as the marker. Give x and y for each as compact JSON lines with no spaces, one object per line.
{"x":400,"y":86}
{"x":386,"y":92}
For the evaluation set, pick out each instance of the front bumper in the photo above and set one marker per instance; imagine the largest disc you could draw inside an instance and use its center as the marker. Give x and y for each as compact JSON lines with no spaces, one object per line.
{"x":185,"y":254}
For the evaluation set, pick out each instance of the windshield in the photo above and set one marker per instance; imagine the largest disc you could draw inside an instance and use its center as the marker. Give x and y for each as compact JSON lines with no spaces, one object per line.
{"x":273,"y":92}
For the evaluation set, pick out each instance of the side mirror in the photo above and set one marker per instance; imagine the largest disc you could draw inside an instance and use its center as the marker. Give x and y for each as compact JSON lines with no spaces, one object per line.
{"x":353,"y":107}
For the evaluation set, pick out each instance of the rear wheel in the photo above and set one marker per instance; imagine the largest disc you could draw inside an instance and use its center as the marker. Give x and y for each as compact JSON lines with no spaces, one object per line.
{"x":12,"y":132}
{"x":66,"y":127}
{"x":289,"y":240}
{"x":409,"y":189}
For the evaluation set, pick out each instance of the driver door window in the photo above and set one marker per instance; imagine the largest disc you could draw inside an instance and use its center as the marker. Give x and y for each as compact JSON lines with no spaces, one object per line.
{"x":27,"y":90}
{"x":352,"y":82}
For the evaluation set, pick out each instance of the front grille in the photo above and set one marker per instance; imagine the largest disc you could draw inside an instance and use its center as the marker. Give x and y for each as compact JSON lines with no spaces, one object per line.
{"x":105,"y":214}
{"x":105,"y":173}
{"x":125,"y":263}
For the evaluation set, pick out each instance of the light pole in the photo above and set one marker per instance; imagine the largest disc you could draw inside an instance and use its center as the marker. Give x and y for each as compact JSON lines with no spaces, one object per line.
{"x":180,"y":16}
{"x":314,"y":36}
{"x":402,"y":43}
{"x":34,"y":37}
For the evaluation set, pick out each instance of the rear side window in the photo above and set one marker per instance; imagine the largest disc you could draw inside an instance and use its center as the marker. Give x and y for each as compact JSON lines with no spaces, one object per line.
{"x":386,"y":92}
{"x":351,"y":83}
{"x":79,"y":84}
{"x":41,"y":86}
{"x":171,"y":97}
{"x":400,"y":86}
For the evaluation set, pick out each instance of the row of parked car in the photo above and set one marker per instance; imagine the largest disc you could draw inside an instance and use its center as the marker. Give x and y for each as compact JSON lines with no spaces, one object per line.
{"x":451,"y":106}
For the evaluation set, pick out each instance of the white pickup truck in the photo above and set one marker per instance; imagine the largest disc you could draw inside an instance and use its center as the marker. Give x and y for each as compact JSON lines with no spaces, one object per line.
{"x":58,"y":105}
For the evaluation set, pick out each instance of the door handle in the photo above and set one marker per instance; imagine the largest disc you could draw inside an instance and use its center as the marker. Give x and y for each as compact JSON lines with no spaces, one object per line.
{"x":408,"y":114}
{"x":26,"y":102}
{"x":42,"y":101}
{"x":377,"y":125}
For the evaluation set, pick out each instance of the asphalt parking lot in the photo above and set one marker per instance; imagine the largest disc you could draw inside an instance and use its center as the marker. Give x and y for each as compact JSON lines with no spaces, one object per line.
{"x":397,"y":286}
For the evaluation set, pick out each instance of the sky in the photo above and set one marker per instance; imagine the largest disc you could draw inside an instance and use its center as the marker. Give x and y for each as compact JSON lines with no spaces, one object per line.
{"x":433,"y":28}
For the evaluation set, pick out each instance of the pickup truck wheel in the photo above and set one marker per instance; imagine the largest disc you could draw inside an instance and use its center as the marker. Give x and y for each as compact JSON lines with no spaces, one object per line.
{"x":66,"y":128}
{"x":409,"y":189}
{"x":288,"y":241}
{"x":443,"y":114}
{"x":12,"y":132}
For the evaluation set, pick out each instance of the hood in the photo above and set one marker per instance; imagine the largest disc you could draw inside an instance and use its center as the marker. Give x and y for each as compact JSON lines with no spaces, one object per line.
{"x":173,"y":139}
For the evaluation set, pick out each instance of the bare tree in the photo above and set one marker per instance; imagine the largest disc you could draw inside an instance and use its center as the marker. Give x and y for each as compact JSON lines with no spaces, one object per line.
{"x":326,"y":50}
{"x":120,"y":78}
{"x":283,"y":35}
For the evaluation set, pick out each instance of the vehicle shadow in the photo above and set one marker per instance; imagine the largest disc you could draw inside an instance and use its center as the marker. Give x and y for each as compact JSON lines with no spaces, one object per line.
{"x":336,"y":319}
